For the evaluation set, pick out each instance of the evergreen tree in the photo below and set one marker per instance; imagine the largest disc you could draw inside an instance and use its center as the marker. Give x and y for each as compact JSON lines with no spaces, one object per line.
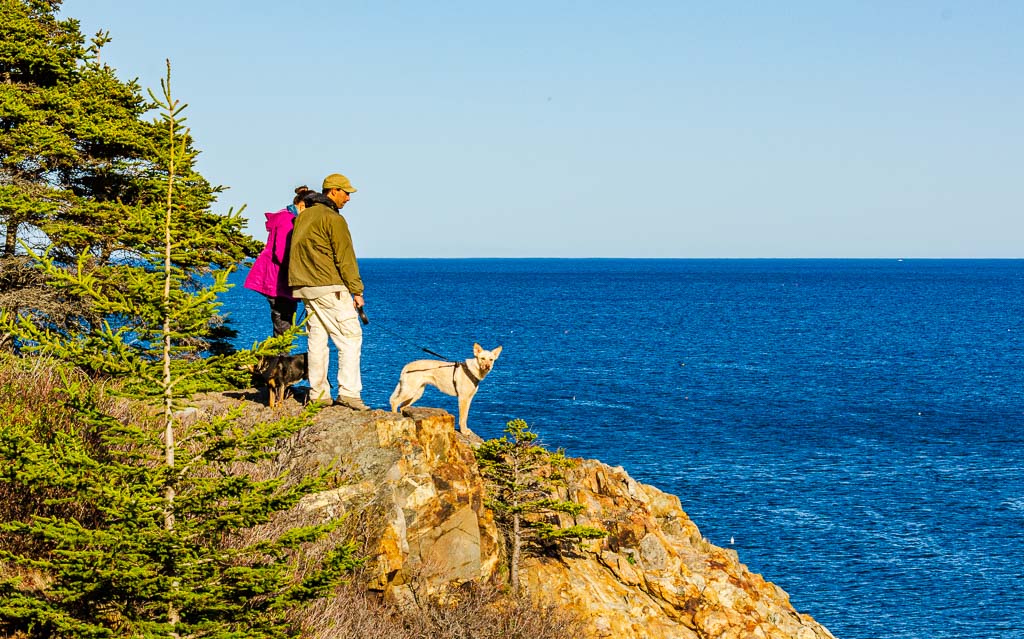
{"x":75,"y":151}
{"x":522,"y":480}
{"x":71,"y":136}
{"x":154,"y":545}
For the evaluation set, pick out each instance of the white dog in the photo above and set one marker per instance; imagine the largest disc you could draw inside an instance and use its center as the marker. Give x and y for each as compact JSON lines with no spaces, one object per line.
{"x":460,"y":379}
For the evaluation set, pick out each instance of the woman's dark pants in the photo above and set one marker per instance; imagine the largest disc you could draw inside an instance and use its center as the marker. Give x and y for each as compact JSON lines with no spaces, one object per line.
{"x":282,"y":310}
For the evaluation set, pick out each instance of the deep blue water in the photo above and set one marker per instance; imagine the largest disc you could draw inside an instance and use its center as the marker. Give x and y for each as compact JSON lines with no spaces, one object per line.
{"x":855,"y":426}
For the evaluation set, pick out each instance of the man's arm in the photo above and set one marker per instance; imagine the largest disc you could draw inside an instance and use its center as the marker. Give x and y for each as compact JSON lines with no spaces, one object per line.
{"x":345,"y":258}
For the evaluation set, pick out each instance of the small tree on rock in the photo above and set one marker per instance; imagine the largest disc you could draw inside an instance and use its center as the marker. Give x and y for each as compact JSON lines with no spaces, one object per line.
{"x":522,"y":481}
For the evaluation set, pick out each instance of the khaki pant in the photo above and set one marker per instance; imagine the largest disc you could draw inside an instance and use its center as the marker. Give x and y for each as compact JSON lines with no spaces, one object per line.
{"x":334,"y":316}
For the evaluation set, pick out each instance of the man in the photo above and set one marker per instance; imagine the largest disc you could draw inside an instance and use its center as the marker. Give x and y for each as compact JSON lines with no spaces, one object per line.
{"x":323,"y":273}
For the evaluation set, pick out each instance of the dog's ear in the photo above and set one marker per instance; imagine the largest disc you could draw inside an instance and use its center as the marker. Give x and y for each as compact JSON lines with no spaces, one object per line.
{"x":476,"y":349}
{"x":496,"y":352}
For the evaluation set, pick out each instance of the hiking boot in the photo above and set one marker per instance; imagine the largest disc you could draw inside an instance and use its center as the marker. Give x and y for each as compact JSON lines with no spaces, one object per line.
{"x":353,"y":403}
{"x":323,"y":400}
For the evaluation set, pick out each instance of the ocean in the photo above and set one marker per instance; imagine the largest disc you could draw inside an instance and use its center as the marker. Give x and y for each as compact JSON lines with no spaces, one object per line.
{"x":854,"y":429}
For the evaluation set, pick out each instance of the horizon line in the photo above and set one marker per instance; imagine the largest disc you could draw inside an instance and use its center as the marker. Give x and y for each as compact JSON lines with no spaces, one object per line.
{"x":628,"y":257}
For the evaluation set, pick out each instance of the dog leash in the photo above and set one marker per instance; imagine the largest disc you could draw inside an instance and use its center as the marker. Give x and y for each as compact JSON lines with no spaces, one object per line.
{"x":365,"y":320}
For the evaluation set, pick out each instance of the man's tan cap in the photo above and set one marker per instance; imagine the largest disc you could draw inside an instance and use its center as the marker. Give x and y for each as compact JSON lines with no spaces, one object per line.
{"x":338,"y":181}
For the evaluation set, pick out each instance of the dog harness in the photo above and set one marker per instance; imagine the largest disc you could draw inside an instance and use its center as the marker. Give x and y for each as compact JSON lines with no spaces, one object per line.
{"x":473,"y":378}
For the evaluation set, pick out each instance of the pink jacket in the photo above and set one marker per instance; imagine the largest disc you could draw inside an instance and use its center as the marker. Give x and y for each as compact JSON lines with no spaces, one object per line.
{"x":269,"y":274}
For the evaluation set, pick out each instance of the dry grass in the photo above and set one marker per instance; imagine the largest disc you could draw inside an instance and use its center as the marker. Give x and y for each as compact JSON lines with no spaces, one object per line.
{"x":32,"y":401}
{"x":31,"y":391}
{"x":470,"y":611}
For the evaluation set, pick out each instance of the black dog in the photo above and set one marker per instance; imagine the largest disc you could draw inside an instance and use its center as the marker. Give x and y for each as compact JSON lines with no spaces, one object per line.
{"x":277,"y":373}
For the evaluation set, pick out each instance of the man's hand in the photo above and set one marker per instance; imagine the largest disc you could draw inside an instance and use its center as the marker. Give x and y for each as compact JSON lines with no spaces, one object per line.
{"x":357,"y":301}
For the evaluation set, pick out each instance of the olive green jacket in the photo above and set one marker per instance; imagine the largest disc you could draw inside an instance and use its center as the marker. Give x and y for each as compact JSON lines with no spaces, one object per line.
{"x":321,"y":253}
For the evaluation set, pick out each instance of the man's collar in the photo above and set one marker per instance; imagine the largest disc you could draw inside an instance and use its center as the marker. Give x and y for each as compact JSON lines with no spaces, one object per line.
{"x":320,"y":198}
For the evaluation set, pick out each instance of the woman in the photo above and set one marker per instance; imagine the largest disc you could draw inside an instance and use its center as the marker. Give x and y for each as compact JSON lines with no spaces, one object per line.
{"x":269,"y":274}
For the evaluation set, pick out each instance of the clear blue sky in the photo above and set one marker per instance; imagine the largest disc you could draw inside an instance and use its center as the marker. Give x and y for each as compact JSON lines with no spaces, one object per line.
{"x":607,"y":129}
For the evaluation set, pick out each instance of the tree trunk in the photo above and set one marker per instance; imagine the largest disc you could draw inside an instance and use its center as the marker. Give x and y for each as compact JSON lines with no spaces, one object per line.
{"x":514,"y":562}
{"x":173,"y":614}
{"x":11,"y":239}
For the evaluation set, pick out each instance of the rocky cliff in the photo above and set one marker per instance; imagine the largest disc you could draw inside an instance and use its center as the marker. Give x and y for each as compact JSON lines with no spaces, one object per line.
{"x":413,"y":482}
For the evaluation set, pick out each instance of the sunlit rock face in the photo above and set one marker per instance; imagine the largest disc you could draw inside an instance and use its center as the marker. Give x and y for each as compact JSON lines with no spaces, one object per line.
{"x":412,"y":484}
